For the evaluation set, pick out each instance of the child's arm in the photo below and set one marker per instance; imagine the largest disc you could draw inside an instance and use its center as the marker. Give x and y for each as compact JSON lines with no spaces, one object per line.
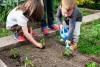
{"x":30,"y":38}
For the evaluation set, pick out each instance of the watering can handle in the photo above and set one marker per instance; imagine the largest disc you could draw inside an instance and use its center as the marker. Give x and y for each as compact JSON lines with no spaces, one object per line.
{"x":61,"y":29}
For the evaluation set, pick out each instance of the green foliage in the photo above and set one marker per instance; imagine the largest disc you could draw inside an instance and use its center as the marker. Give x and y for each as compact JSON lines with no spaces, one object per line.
{"x":67,"y":52}
{"x":14,"y":53}
{"x":94,"y":4}
{"x":4,"y":32}
{"x":43,"y":40}
{"x":82,"y":2}
{"x":92,"y":64}
{"x":56,"y":4}
{"x":28,"y":62}
{"x":4,"y":10}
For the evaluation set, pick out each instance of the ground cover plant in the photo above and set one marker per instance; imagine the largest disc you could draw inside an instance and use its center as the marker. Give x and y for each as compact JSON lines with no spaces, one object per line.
{"x":89,"y":42}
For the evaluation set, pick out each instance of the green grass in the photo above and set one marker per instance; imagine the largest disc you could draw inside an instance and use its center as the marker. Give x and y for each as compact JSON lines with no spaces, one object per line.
{"x":84,"y":12}
{"x":4,"y":32}
{"x":89,"y":42}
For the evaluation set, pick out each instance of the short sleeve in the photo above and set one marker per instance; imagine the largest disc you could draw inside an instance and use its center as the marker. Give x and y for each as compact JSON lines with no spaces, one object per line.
{"x":21,"y":19}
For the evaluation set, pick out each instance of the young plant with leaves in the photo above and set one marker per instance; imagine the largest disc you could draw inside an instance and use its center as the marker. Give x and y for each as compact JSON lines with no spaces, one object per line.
{"x":92,"y":64}
{"x":14,"y":54}
{"x":28,"y":62}
{"x":43,"y":40}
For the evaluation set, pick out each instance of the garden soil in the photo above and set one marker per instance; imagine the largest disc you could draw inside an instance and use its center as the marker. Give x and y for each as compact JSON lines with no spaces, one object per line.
{"x":51,"y":56}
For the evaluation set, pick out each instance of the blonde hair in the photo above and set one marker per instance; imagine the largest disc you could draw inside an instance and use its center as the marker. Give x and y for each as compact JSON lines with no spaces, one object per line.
{"x":32,"y":9}
{"x":68,"y":3}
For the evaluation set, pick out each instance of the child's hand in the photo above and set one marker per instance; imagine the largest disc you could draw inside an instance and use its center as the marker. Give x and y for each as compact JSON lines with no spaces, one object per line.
{"x":68,"y":42}
{"x":39,"y":45}
{"x":61,"y":27}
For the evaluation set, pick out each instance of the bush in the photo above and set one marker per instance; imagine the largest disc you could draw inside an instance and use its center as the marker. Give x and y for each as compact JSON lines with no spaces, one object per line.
{"x":94,"y":4}
{"x":82,"y":2}
{"x":6,"y":8}
{"x":56,"y":4}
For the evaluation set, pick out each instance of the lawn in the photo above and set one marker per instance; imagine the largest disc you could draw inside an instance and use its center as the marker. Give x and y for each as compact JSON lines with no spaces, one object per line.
{"x":4,"y":32}
{"x":84,"y":11}
{"x":89,"y":42}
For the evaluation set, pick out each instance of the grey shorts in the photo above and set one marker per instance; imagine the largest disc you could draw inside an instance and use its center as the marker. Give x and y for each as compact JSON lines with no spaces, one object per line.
{"x":17,"y":29}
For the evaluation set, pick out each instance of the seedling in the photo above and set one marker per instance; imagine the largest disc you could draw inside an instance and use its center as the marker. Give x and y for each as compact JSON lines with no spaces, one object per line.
{"x":14,"y":53}
{"x":43,"y":41}
{"x":67,"y":52}
{"x":92,"y":64}
{"x":28,"y":62}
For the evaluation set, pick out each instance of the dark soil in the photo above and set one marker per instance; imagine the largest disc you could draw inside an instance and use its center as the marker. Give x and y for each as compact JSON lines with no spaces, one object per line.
{"x":51,"y":56}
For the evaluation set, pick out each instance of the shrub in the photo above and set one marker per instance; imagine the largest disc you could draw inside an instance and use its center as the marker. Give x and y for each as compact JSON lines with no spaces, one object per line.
{"x":6,"y":8}
{"x":82,"y":2}
{"x":89,"y":3}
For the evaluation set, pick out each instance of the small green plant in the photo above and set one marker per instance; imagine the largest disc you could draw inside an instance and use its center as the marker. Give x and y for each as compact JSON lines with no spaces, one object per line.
{"x":14,"y":53}
{"x":28,"y":62}
{"x":92,"y":64}
{"x":67,"y":52}
{"x":43,"y":41}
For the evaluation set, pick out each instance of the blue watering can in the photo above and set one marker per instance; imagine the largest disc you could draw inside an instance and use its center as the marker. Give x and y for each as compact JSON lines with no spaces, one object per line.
{"x":64,"y":35}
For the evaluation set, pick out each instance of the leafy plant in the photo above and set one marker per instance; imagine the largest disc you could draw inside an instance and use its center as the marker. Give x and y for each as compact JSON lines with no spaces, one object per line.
{"x":56,"y":4}
{"x":89,"y":3}
{"x":81,"y":2}
{"x":28,"y":62}
{"x":92,"y":64}
{"x":67,"y":52}
{"x":43,"y":40}
{"x":14,"y":53}
{"x":4,"y":10}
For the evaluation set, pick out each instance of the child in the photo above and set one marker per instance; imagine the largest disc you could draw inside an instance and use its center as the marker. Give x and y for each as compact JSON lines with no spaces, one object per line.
{"x":20,"y":20}
{"x":48,"y":7}
{"x":72,"y":18}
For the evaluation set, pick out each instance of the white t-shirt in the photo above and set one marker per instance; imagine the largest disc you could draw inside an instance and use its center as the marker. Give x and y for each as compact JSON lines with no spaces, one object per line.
{"x":16,"y":17}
